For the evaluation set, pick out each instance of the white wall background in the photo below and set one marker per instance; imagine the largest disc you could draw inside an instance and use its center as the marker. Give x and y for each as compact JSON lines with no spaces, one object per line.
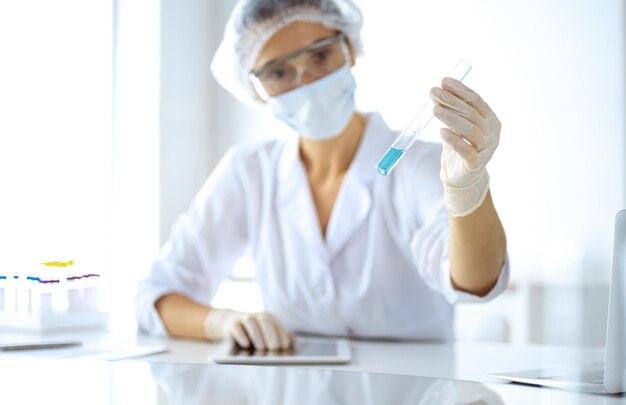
{"x":552,"y":70}
{"x":136,"y":146}
{"x":55,"y":134}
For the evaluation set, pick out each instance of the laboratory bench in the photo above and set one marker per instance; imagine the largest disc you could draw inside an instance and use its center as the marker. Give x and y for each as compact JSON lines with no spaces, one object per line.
{"x":380,"y":372}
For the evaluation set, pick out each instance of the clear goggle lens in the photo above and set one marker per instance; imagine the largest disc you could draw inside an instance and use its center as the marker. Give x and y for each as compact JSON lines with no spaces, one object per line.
{"x":287,"y":73}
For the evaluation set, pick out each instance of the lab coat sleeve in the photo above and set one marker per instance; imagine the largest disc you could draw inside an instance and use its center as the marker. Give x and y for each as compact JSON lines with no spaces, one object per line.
{"x":430,"y":239}
{"x":203,"y":245}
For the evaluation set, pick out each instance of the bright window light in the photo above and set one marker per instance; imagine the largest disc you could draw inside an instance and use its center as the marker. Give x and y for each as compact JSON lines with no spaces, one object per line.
{"x":55,"y":133}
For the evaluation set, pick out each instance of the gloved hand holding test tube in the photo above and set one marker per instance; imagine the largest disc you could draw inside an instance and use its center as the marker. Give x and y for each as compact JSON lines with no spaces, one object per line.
{"x":404,"y":141}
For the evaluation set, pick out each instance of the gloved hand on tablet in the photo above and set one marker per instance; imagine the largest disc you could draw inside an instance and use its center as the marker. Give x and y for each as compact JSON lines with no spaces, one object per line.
{"x":259,"y":330}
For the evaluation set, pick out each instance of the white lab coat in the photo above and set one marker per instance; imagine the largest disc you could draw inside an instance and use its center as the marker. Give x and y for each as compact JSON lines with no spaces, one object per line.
{"x":381,"y":271}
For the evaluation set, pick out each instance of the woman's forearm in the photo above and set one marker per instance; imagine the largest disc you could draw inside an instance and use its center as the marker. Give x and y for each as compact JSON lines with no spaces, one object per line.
{"x":182,"y":316}
{"x":477,"y":249}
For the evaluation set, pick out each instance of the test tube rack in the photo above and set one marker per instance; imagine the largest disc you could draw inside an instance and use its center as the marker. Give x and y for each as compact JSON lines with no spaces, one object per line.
{"x":33,"y":304}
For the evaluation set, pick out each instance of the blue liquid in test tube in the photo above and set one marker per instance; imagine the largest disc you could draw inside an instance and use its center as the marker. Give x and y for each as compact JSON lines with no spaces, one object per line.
{"x":389,"y":160}
{"x":404,"y":141}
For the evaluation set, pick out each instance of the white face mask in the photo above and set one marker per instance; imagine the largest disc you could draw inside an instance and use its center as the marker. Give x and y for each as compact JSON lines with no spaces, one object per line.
{"x":319,"y":110}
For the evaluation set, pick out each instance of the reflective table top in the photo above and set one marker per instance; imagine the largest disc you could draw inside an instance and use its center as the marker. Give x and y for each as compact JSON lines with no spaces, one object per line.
{"x":139,"y":382}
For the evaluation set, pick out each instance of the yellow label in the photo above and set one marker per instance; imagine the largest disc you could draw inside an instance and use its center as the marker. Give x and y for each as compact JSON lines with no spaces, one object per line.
{"x":58,"y":264}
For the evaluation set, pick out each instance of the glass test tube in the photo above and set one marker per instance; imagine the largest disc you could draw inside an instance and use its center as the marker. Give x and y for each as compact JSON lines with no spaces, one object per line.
{"x":404,"y":141}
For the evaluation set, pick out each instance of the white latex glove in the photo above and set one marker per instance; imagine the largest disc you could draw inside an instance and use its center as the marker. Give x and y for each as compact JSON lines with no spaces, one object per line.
{"x":260,"y":330}
{"x":470,"y":139}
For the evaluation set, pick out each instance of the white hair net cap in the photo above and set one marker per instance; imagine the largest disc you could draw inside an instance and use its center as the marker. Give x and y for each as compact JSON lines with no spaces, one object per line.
{"x":253,"y":22}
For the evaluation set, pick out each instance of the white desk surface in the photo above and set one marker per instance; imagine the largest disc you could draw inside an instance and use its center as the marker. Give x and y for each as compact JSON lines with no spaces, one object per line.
{"x":170,"y":375}
{"x":471,"y":362}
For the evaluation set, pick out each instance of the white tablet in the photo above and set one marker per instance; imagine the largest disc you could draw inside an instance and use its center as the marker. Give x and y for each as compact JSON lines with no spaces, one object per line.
{"x":307,"y":351}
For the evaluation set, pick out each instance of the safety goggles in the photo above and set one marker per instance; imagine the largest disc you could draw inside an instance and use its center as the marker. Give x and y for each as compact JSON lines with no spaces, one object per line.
{"x":284,"y":74}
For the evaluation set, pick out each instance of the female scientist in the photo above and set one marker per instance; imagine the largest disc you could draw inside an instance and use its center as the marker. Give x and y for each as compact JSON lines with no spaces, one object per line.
{"x":339,"y":249}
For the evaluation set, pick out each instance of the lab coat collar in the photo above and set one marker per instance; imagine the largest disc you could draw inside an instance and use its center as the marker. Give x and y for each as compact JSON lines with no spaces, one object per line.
{"x":354,"y":200}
